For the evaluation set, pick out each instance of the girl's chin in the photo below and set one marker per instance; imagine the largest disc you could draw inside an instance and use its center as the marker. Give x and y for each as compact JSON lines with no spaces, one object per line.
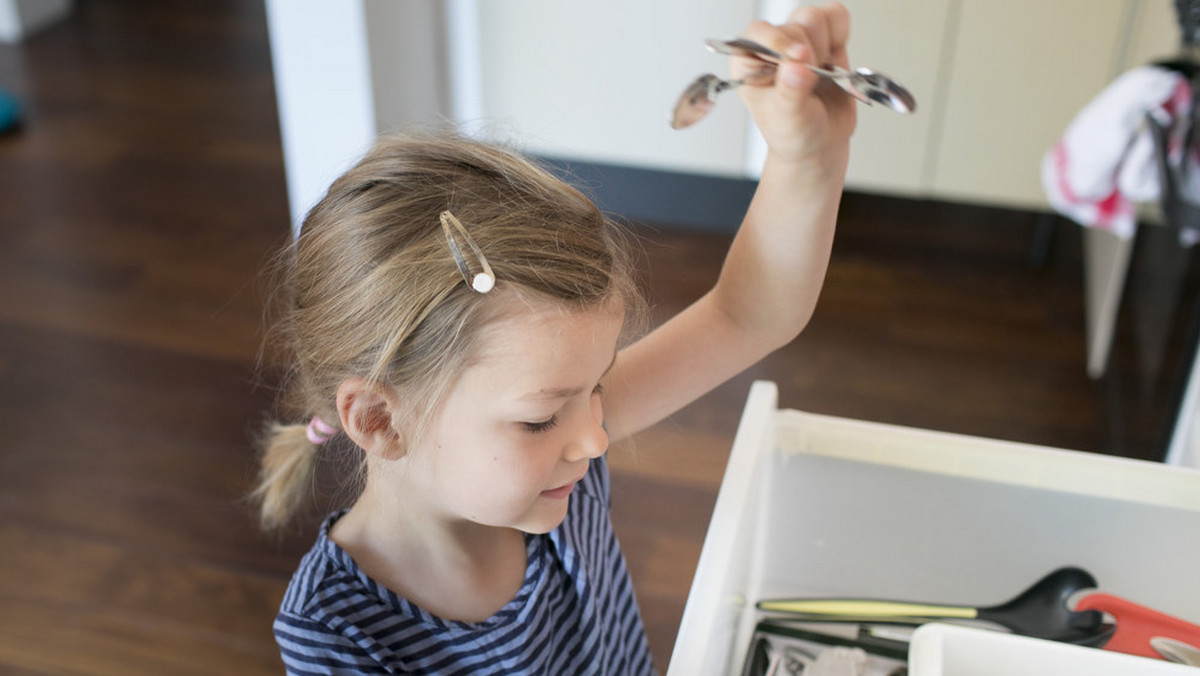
{"x":547,"y":520}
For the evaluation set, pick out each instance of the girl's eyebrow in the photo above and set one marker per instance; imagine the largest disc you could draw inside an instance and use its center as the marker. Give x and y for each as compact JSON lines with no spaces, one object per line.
{"x":565,"y":392}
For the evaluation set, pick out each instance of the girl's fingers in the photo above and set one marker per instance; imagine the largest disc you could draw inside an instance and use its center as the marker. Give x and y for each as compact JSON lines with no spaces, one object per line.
{"x":792,"y":76}
{"x":839,"y":34}
{"x":799,"y":97}
{"x":814,"y":35}
{"x":765,"y":34}
{"x":794,"y":79}
{"x":808,"y":26}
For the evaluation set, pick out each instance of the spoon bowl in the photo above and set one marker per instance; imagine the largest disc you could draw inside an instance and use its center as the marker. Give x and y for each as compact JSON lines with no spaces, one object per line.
{"x":882,"y":89}
{"x":701,"y":95}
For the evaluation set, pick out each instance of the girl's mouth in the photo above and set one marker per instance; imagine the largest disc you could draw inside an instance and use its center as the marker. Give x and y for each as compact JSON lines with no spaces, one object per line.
{"x":561,"y":492}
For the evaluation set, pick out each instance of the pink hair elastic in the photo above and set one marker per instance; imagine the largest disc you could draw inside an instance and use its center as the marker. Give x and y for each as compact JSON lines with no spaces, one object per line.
{"x":318,"y":431}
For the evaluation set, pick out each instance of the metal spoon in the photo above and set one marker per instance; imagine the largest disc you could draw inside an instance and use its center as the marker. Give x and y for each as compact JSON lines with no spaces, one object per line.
{"x":862,"y":83}
{"x":701,"y":95}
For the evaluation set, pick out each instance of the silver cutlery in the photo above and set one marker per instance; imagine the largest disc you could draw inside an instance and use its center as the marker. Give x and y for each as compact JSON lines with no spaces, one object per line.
{"x":863,"y":84}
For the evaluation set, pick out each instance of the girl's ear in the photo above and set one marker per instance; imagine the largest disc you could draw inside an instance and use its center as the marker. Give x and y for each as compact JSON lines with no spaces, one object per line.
{"x":368,"y":414}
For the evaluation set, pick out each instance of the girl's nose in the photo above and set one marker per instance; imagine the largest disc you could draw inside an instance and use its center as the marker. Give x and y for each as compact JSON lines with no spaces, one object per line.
{"x":591,"y":441}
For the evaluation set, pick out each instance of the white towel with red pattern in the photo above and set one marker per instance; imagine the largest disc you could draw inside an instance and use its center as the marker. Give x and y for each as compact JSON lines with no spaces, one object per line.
{"x":1105,"y":162}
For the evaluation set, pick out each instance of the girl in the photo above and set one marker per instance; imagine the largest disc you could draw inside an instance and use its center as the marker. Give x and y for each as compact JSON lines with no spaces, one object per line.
{"x":456,"y":314}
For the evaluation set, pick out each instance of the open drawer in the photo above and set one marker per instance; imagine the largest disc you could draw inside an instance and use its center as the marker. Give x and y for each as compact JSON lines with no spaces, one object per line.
{"x":813,"y":505}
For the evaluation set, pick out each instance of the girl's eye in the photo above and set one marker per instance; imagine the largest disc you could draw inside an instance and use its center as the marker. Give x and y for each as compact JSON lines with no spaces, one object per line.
{"x":547,"y":425}
{"x":544,"y":426}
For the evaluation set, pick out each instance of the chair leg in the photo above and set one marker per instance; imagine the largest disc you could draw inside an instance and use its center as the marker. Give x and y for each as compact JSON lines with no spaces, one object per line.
{"x":1106,"y":262}
{"x":1045,"y":231}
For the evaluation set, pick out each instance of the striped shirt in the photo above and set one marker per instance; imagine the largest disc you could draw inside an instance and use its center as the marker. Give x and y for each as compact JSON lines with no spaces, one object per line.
{"x":575,"y":612}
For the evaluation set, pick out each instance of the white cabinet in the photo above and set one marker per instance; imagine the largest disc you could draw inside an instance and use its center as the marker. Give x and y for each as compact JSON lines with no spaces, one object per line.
{"x":889,"y":152}
{"x":1019,"y":72}
{"x":817,"y":506}
{"x":1016,"y":74}
{"x":996,"y":81}
{"x":597,"y":81}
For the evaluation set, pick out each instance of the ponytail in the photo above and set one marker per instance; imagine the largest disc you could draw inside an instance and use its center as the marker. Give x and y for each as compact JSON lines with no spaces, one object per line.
{"x":286,"y":472}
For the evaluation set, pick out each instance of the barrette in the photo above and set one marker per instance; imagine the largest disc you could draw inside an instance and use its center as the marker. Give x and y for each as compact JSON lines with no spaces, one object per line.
{"x":482,"y":281}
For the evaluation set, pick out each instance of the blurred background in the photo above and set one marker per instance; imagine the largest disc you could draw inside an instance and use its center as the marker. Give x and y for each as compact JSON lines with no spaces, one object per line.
{"x":155,"y":154}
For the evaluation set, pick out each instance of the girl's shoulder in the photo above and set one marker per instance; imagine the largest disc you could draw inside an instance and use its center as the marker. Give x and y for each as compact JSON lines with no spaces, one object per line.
{"x":325,"y":573}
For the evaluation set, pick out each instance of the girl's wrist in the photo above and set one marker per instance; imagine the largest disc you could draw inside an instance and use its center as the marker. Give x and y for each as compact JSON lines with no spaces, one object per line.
{"x":820,"y":170}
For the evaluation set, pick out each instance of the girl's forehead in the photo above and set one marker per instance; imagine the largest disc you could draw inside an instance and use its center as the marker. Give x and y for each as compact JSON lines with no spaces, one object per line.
{"x":546,"y":327}
{"x":543,"y":334}
{"x":522,"y":312}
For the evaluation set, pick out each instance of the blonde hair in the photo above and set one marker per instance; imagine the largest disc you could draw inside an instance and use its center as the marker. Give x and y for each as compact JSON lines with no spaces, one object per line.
{"x":372,"y":289}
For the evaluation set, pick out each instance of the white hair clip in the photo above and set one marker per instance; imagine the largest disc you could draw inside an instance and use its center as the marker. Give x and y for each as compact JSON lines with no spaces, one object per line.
{"x":482,"y":281}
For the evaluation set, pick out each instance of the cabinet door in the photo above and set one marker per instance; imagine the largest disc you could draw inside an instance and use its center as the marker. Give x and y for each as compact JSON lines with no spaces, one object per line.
{"x":1018,"y":72}
{"x":597,"y":80}
{"x":904,"y":40}
{"x":1154,"y":34}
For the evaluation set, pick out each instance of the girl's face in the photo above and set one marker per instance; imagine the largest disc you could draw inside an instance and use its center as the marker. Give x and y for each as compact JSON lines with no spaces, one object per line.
{"x":516,"y":432}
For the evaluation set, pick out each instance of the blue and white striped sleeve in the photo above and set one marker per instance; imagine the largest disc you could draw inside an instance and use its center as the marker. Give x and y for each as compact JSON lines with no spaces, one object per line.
{"x":309,"y":648}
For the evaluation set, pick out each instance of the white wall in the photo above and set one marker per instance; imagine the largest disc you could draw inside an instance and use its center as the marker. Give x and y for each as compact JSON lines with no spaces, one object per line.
{"x":322,"y":84}
{"x":597,"y":81}
{"x":410,"y":79}
{"x":346,"y":71}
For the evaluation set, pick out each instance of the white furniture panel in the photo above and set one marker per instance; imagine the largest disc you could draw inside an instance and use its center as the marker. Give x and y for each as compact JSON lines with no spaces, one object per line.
{"x":888,"y":150}
{"x":406,"y":50}
{"x":996,"y":82}
{"x":820,"y":506}
{"x":906,"y":40}
{"x":343,"y":73}
{"x":597,"y":81}
{"x":1018,"y":73}
{"x":322,"y":86}
{"x":1153,"y":33}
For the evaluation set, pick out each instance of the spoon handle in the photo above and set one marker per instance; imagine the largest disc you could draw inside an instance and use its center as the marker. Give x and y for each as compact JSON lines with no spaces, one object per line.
{"x":863,"y":84}
{"x":754,"y":50}
{"x":744,"y":47}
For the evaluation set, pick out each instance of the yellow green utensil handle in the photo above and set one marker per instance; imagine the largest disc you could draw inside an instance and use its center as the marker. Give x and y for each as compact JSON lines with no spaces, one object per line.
{"x":866,"y":608}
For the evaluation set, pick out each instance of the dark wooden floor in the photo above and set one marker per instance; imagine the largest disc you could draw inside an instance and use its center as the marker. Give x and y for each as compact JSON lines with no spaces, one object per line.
{"x":138,"y":203}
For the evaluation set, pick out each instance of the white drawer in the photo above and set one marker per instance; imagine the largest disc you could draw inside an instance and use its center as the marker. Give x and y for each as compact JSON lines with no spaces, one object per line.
{"x":813,"y":505}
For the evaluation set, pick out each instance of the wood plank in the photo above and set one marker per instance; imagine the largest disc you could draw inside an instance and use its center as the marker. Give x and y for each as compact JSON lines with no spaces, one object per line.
{"x":102,"y":642}
{"x":66,"y":573}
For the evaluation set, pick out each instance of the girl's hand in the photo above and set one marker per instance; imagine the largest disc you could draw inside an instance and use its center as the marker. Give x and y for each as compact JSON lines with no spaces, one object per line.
{"x":803,"y":117}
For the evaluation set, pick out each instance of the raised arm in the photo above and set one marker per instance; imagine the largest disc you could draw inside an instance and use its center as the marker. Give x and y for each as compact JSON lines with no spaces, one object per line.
{"x":774,"y":270}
